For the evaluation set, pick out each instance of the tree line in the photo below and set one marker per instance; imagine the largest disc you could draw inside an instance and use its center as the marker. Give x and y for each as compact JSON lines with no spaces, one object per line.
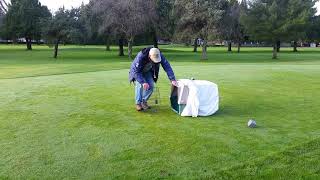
{"x":124,"y":22}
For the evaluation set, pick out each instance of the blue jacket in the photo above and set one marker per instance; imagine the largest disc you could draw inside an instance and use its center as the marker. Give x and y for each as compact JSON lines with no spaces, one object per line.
{"x":141,"y":60}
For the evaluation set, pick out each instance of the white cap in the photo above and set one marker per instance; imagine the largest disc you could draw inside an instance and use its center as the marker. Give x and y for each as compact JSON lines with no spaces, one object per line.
{"x":154,"y":55}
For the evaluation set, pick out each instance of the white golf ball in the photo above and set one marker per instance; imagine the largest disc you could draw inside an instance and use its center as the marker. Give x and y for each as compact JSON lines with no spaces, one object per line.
{"x":252,"y":123}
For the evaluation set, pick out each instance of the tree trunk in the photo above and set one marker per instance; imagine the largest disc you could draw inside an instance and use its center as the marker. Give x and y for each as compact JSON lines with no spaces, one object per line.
{"x":130,"y":41}
{"x":155,"y":39}
{"x":108,"y":44}
{"x":295,"y":44}
{"x":29,"y":44}
{"x":278,"y":46}
{"x":275,"y":51}
{"x":204,"y":50}
{"x":108,"y":47}
{"x":121,"y":47}
{"x":56,"y":48}
{"x":229,"y":46}
{"x":195,"y":45}
{"x":239,"y":46}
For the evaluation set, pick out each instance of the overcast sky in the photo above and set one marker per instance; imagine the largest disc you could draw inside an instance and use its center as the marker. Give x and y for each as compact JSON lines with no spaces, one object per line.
{"x":54,"y":5}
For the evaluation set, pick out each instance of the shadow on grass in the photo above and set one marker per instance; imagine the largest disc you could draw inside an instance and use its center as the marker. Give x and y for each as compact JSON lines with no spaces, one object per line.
{"x":224,"y":111}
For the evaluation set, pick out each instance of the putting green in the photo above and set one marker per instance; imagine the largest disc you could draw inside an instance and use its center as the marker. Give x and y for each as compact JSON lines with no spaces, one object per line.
{"x":83,"y":125}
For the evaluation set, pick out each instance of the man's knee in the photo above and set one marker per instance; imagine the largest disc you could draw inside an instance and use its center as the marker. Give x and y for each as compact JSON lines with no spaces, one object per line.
{"x":138,"y":85}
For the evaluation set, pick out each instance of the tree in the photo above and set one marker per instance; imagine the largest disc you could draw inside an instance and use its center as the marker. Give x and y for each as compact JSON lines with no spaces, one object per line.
{"x":61,"y":27}
{"x":185,"y":30}
{"x":2,"y":15}
{"x":230,"y":25}
{"x":300,"y":13}
{"x":163,"y":21}
{"x":78,"y":31}
{"x":91,"y":22}
{"x":95,"y":16}
{"x":125,"y":18}
{"x":195,"y":45}
{"x":241,"y":33}
{"x":198,"y":19}
{"x":23,"y":20}
{"x":274,"y":20}
{"x":3,"y":11}
{"x":313,"y":32}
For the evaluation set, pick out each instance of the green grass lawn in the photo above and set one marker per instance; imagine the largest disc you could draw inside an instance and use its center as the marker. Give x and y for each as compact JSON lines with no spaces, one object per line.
{"x":74,"y":117}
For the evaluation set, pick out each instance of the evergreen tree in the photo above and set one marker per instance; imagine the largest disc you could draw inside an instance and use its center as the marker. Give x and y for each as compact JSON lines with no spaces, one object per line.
{"x":23,"y":20}
{"x":231,"y":28}
{"x":163,"y":22}
{"x":198,"y":19}
{"x":313,"y":32}
{"x":300,"y":14}
{"x":277,"y":20}
{"x":61,"y":28}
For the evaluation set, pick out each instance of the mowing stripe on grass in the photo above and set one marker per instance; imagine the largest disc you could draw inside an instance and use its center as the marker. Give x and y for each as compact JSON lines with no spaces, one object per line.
{"x":293,"y":163}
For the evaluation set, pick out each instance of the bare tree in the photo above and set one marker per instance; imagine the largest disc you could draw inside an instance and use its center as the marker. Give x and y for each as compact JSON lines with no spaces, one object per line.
{"x":92,"y":21}
{"x":125,"y":18}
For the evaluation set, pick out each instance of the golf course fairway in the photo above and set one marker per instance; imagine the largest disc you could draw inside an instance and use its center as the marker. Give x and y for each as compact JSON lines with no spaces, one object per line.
{"x":74,"y":117}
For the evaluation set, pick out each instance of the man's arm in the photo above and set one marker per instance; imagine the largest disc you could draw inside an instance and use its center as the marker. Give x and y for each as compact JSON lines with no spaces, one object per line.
{"x":167,"y":67}
{"x":138,"y":69}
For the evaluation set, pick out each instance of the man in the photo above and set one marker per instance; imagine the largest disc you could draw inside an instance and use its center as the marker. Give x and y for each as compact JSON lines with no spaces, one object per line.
{"x":144,"y":72}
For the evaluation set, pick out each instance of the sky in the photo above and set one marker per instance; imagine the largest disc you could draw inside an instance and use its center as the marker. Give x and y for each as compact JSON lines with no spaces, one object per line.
{"x":318,"y":7}
{"x":53,"y":5}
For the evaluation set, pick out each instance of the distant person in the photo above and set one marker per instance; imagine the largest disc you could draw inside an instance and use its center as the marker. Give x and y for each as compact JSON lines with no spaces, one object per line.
{"x":144,"y":72}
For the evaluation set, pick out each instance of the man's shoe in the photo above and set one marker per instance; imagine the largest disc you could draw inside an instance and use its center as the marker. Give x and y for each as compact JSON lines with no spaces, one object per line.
{"x":139,"y":107}
{"x":145,"y":106}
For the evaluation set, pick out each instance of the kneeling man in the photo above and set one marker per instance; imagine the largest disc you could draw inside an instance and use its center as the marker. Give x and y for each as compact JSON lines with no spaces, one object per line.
{"x":144,"y":72}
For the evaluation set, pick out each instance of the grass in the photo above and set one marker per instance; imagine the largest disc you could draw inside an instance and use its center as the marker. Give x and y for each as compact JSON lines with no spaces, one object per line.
{"x":74,"y":117}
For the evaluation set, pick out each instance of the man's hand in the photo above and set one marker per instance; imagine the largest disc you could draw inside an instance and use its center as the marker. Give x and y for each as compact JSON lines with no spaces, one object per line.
{"x":146,"y":86}
{"x":174,"y":83}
